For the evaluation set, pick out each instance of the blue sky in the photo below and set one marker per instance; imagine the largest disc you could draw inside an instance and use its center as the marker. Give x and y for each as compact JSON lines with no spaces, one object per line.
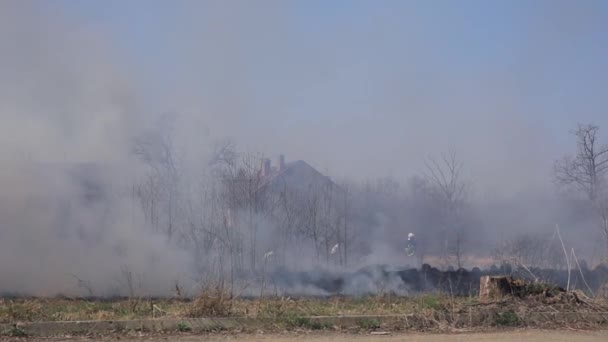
{"x":351,"y":84}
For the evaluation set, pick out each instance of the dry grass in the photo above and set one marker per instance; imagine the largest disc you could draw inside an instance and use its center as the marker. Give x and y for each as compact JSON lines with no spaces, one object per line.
{"x":211,"y":303}
{"x":58,"y":309}
{"x":214,"y":304}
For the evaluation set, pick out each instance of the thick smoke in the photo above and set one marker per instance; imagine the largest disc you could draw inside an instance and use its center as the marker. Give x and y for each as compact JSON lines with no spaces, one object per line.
{"x":115,"y":150}
{"x":66,"y":110}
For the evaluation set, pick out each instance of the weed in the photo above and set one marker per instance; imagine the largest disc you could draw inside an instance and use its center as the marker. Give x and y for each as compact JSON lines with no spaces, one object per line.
{"x":507,"y":318}
{"x":15,"y":331}
{"x":211,"y":303}
{"x":213,"y":328}
{"x":183,"y":327}
{"x":304,"y":322}
{"x":26,"y":311}
{"x":77,"y":332}
{"x":369,"y":324}
{"x":430,"y":302}
{"x":272,"y":308}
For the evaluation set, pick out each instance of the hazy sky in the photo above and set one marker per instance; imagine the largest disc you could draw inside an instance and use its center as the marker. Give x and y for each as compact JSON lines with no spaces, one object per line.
{"x":367,"y":88}
{"x":358,"y":89}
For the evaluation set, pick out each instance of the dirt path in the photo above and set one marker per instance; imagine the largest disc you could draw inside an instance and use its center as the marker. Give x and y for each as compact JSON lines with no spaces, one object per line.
{"x":509,"y":336}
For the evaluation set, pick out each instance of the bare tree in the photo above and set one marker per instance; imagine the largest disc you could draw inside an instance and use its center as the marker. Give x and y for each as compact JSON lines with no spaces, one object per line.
{"x":530,"y":251}
{"x":345,"y":234}
{"x":446,"y":176}
{"x":587,"y":170}
{"x":160,"y":192}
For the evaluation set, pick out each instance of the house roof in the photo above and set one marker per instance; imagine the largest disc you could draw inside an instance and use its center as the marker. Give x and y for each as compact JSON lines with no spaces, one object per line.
{"x":277,"y":174}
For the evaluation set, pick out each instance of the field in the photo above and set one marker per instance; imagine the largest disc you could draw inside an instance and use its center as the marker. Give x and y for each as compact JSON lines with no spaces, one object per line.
{"x":64,"y":309}
{"x":423,"y":313}
{"x":503,"y":336}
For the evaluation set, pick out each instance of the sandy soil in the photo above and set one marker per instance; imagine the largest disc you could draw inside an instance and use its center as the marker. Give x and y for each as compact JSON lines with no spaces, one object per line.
{"x":507,"y":336}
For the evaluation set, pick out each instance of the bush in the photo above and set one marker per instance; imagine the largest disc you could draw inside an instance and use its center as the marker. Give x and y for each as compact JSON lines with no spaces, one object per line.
{"x":304,"y":322}
{"x":211,"y":303}
{"x":507,"y":318}
{"x":183,"y":327}
{"x":430,"y":301}
{"x":14,"y":331}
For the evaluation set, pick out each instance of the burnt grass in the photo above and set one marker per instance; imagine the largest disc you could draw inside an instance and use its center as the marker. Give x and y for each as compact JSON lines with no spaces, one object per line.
{"x":459,"y":282}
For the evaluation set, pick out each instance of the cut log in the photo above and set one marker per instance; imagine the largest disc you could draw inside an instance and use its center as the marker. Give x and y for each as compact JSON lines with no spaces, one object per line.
{"x":496,"y":287}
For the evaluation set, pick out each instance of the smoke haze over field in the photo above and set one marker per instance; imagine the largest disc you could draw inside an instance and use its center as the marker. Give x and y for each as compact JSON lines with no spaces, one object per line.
{"x":360,"y":90}
{"x":64,"y":101}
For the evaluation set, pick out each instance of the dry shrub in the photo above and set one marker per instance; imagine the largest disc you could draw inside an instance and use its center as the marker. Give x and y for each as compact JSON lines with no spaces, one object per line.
{"x":275,"y":308}
{"x":212,"y":302}
{"x":20,"y":311}
{"x":531,"y":250}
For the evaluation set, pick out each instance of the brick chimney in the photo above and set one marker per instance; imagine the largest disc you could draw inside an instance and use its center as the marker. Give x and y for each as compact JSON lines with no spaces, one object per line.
{"x":281,"y":162}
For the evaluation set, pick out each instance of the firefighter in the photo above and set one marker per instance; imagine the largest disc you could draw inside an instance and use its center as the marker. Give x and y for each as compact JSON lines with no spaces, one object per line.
{"x":410,"y":250}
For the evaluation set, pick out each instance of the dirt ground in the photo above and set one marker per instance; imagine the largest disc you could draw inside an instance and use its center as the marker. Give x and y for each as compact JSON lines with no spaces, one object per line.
{"x":505,"y":336}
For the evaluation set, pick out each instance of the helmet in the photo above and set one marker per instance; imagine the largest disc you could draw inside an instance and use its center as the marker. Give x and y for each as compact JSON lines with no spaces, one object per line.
{"x":410,"y":235}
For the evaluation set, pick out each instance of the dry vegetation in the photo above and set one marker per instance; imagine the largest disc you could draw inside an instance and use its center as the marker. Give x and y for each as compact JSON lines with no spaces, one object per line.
{"x":433,"y":308}
{"x":212,"y":305}
{"x":528,"y":305}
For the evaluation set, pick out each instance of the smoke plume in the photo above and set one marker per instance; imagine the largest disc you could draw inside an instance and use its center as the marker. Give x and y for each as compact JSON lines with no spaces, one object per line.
{"x":124,"y":129}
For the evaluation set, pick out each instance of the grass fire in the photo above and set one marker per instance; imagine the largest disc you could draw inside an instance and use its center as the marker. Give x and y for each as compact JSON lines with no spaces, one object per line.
{"x":206,"y":166}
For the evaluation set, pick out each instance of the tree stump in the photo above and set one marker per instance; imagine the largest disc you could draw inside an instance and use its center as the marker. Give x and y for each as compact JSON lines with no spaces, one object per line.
{"x":495,"y":287}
